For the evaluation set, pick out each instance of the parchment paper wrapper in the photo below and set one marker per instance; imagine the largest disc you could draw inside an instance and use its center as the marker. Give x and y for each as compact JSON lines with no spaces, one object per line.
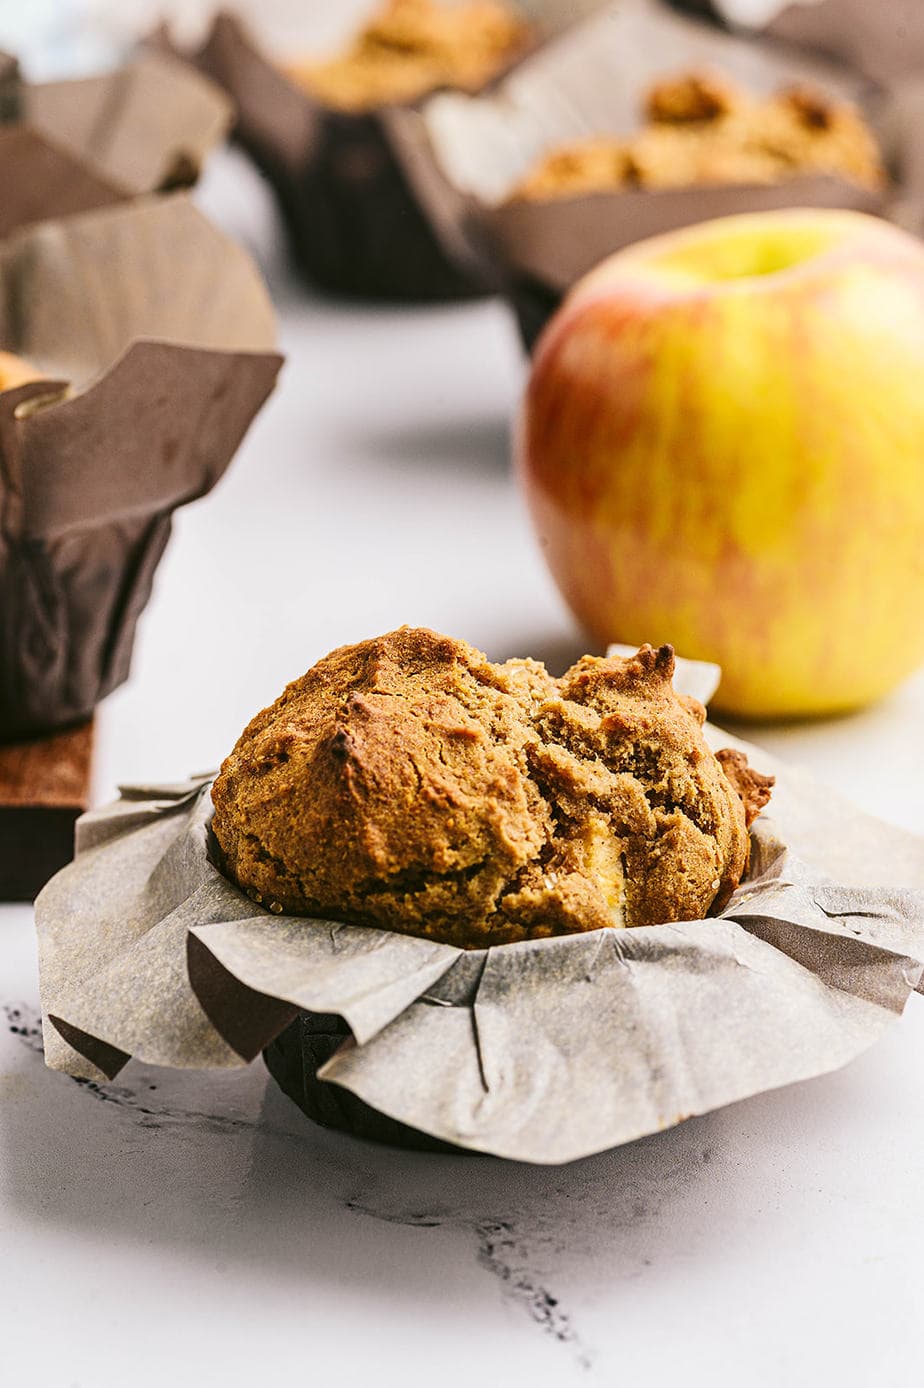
{"x":163,"y":329}
{"x":73,"y":146}
{"x":10,"y":85}
{"x":544,"y":1051}
{"x":352,"y":211}
{"x":885,"y":40}
{"x":465,"y":154}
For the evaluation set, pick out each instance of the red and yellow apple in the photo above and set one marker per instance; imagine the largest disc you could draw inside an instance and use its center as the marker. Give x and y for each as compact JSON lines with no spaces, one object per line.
{"x":722,"y":446}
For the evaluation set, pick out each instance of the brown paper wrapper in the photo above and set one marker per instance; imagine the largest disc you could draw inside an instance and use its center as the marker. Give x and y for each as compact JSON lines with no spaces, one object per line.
{"x":884,"y":40}
{"x":353,"y":224}
{"x":44,"y":788}
{"x":350,"y":204}
{"x":42,"y":181}
{"x":466,"y":153}
{"x":163,"y":329}
{"x":10,"y":85}
{"x":544,"y":1051}
{"x":295,"y":1059}
{"x":148,"y":126}
{"x":78,"y":145}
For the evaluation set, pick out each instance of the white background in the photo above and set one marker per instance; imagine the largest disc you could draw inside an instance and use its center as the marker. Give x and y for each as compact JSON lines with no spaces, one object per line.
{"x":195,"y":1228}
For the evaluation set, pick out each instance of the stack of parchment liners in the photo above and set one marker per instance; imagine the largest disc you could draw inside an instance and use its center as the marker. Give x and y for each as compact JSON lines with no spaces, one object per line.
{"x":71,"y":146}
{"x":465,"y":154}
{"x":152,"y":334}
{"x":350,"y":204}
{"x":543,"y":1051}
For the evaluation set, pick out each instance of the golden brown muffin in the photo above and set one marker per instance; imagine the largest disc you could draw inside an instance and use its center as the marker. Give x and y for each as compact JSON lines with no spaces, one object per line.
{"x":16,"y":371}
{"x":411,"y":47}
{"x":700,"y":130}
{"x":409,"y":783}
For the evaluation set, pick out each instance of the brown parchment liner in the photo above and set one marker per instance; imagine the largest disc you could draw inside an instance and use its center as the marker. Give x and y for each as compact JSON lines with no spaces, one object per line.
{"x":10,"y":87}
{"x":543,"y":1051}
{"x":154,"y":334}
{"x":72,"y":146}
{"x":352,"y":213}
{"x":882,"y":38}
{"x":465,"y":153}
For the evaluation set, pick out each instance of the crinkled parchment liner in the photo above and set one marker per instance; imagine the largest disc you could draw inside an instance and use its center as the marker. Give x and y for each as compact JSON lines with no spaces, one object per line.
{"x":72,"y":146}
{"x":463,"y":154}
{"x":353,"y":216}
{"x":884,"y":40}
{"x":544,"y":1051}
{"x":164,"y":329}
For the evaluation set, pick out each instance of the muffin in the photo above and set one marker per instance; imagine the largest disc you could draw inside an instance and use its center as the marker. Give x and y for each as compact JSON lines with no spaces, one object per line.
{"x":410,"y":784}
{"x":411,"y":47}
{"x":700,"y":129}
{"x":324,"y":135}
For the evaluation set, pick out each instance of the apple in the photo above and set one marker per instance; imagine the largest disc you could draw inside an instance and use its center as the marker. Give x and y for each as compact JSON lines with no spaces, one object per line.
{"x":722,"y":446}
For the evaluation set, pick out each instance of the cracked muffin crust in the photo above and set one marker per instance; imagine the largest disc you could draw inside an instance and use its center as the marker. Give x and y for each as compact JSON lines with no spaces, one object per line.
{"x":408,"y":783}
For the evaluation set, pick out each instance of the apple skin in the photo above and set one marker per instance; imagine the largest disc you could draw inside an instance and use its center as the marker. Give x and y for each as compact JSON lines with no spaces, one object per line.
{"x":722,"y":446}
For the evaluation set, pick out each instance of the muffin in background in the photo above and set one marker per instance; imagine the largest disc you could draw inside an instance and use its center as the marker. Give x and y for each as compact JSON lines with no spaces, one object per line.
{"x":700,"y":129}
{"x":409,"y":48}
{"x":321,"y":132}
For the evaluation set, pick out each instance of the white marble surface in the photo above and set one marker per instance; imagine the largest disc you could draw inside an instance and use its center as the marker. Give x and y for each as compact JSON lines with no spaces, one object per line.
{"x":193,"y":1228}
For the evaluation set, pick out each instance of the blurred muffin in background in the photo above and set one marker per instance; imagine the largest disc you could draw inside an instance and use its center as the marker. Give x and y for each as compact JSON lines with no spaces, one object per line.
{"x":701,"y":129}
{"x":411,"y":47}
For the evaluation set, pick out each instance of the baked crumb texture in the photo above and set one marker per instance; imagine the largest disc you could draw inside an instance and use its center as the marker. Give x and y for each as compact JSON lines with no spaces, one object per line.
{"x":411,"y":47}
{"x":409,"y":783}
{"x":701,"y":129}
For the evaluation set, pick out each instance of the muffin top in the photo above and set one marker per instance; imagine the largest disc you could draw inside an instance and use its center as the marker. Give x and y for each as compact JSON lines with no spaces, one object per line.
{"x":408,"y":783}
{"x":701,"y":129}
{"x":411,"y":47}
